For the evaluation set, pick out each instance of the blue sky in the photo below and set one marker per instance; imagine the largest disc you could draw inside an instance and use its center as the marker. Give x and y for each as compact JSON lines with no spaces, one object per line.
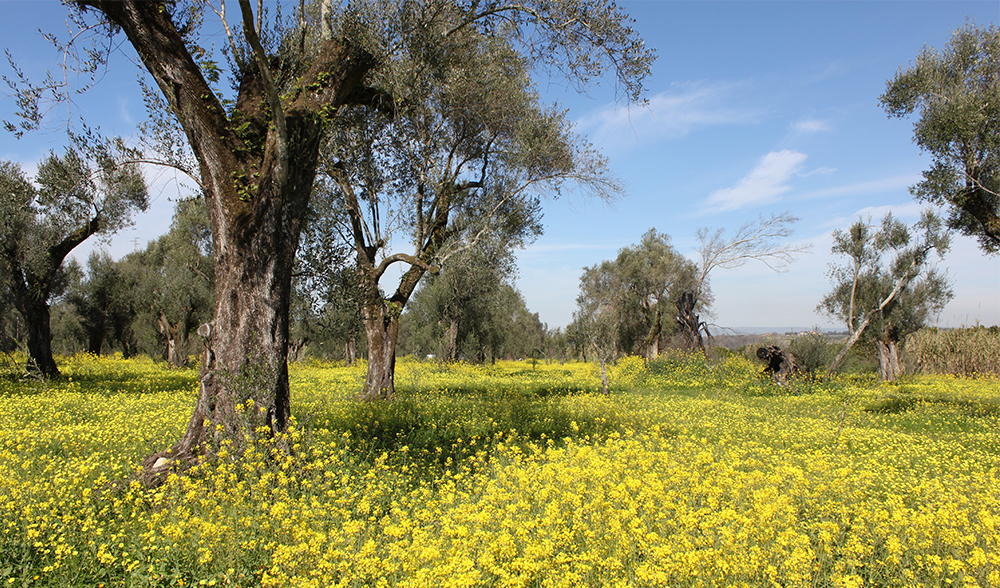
{"x":755,"y":108}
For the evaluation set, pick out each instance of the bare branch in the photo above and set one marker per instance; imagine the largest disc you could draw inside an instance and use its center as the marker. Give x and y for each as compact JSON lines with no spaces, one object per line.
{"x":756,"y":240}
{"x":225,"y":25}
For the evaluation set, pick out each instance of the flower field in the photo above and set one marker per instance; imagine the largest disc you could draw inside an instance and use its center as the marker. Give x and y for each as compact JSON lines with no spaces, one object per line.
{"x":517,"y":474}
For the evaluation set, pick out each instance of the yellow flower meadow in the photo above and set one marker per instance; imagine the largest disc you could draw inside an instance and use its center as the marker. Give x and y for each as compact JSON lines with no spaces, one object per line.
{"x":518,"y":474}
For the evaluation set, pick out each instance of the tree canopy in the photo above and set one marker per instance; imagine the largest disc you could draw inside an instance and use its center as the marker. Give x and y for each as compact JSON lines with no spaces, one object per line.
{"x":257,"y":154}
{"x":623,"y":302}
{"x":956,"y":94}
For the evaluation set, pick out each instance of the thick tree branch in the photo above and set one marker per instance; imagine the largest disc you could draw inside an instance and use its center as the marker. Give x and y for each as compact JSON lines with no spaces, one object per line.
{"x":163,"y":52}
{"x":270,"y":90}
{"x":410,"y":259}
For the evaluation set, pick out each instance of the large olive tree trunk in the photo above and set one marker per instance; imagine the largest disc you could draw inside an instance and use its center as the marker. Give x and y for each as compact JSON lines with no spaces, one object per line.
{"x":380,"y":316}
{"x":257,"y":173}
{"x":39,"y":340}
{"x":382,"y":331}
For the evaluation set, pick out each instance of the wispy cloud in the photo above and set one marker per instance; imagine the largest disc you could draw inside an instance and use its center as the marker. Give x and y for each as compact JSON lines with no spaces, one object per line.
{"x":908,"y":212}
{"x":674,"y":113}
{"x":764,"y":184}
{"x":812,"y":125}
{"x":890,"y":184}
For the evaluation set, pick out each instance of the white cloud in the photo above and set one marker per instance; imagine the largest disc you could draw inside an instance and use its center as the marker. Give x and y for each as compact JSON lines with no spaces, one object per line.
{"x":763,"y":185}
{"x":670,"y":114}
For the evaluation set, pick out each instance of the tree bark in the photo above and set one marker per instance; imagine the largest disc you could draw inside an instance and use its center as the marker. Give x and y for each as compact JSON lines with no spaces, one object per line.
{"x":95,"y":339}
{"x":382,"y":331}
{"x":888,"y":359}
{"x":451,"y":339}
{"x":176,"y":335}
{"x":690,"y":323}
{"x":36,"y":315}
{"x":653,"y":338}
{"x":350,"y":351}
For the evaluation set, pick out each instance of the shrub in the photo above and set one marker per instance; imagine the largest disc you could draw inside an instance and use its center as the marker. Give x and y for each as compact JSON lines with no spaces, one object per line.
{"x":814,"y":351}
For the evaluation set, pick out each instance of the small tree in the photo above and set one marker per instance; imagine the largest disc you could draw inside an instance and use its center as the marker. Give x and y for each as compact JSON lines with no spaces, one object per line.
{"x":460,"y":307}
{"x":76,"y":199}
{"x":760,"y":240}
{"x":956,"y":92}
{"x":886,"y":300}
{"x":600,"y":308}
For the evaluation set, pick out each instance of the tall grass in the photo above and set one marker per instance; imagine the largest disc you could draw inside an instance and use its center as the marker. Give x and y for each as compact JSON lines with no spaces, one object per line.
{"x":963,"y":352}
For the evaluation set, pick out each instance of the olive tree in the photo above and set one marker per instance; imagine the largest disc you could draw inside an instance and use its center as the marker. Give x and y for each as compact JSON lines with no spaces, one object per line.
{"x":882,"y":300}
{"x":465,"y":156}
{"x":75,"y":199}
{"x":956,"y":95}
{"x":623,"y":301}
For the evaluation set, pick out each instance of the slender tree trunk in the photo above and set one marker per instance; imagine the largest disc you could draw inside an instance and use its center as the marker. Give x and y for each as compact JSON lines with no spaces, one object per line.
{"x":888,"y":359}
{"x":653,"y":339}
{"x":350,"y":351}
{"x":604,"y":374}
{"x":176,"y":335}
{"x":451,"y":339}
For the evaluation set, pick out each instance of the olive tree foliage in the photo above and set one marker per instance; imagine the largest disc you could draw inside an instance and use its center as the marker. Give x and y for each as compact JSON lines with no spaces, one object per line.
{"x":472,"y":311}
{"x":76,"y":198}
{"x":622,"y":302}
{"x":763,"y":240}
{"x":888,"y":288}
{"x":257,"y":151}
{"x":104,"y":302}
{"x":174,"y":282}
{"x":326,"y":307}
{"x":955,"y":93}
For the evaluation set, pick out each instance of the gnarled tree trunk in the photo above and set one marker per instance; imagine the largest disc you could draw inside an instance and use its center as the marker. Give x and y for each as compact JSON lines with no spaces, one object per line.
{"x":382,"y":331}
{"x":689,"y":321}
{"x":888,"y":359}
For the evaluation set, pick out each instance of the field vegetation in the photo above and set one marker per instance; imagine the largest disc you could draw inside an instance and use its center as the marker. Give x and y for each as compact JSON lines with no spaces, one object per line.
{"x":515,"y":474}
